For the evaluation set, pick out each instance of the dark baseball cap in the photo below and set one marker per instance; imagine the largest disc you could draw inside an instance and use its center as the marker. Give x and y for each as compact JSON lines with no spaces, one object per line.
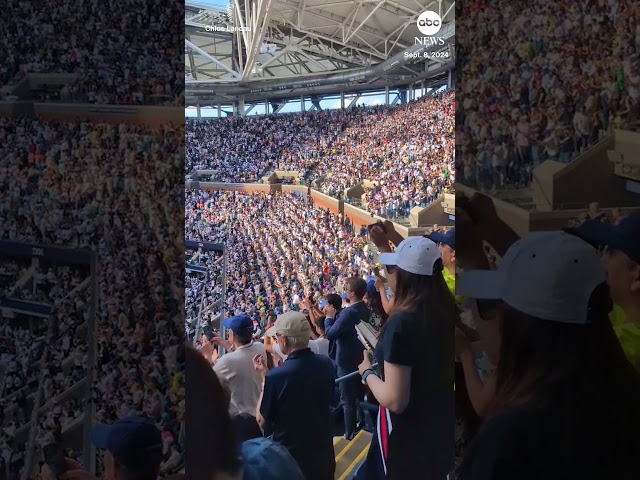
{"x":261,"y":455}
{"x":134,"y":442}
{"x":239,"y":324}
{"x":448,"y":238}
{"x":623,"y":236}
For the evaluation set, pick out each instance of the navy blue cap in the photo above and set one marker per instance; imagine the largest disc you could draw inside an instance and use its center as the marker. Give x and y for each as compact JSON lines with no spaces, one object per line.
{"x":448,"y":238}
{"x":134,"y":442}
{"x":623,"y":236}
{"x":264,"y":459}
{"x":239,"y":323}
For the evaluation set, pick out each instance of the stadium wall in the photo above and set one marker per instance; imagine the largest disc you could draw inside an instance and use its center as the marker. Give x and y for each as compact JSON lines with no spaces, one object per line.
{"x":562,"y":218}
{"x":358,"y":217}
{"x":517,"y":218}
{"x":436,"y":212}
{"x":590,"y":177}
{"x":524,"y":221}
{"x":325,"y":201}
{"x":237,"y":187}
{"x":628,"y":144}
{"x":281,"y":174}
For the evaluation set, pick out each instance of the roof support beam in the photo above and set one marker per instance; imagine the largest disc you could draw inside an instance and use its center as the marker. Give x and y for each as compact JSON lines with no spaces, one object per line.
{"x":259,"y":25}
{"x":353,"y":32}
{"x":321,"y":12}
{"x":369,"y":53}
{"x":276,"y":57}
{"x":451,"y":7}
{"x":192,"y":63}
{"x":355,"y":99}
{"x":211,"y":58}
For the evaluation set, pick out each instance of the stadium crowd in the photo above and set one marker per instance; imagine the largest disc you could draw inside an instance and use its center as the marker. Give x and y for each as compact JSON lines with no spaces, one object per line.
{"x":408,"y":150}
{"x":308,"y":289}
{"x":532,"y":91}
{"x":131,"y":58}
{"x":269,"y":273}
{"x":203,"y":291}
{"x":81,"y":184}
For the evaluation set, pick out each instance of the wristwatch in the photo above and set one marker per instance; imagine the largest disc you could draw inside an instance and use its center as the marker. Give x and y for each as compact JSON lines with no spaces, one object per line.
{"x":366,"y":373}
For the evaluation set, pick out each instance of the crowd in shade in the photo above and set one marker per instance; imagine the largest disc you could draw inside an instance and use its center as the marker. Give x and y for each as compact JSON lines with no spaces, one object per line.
{"x":407,"y":150}
{"x":51,"y":285}
{"x":203,"y":289}
{"x":113,"y":189}
{"x":594,"y":212}
{"x":127,"y":58}
{"x":534,"y":89}
{"x":268,"y":272}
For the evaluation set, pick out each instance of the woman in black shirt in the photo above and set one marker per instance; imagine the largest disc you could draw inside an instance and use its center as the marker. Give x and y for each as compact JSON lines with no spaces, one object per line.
{"x":415,"y":354}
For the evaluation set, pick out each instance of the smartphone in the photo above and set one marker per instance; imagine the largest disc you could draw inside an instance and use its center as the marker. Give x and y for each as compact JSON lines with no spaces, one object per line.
{"x":365,"y":343}
{"x":54,"y":458}
{"x":376,"y":272}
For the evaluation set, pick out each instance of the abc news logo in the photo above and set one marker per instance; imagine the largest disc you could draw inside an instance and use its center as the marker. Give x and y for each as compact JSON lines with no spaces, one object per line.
{"x":429,"y":23}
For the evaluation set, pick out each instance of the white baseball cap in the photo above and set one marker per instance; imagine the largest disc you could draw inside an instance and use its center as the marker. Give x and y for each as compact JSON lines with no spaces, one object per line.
{"x":548,"y":275}
{"x":414,"y":255}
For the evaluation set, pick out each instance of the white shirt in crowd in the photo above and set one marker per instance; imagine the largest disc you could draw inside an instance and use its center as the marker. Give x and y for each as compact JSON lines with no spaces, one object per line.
{"x":244,"y":382}
{"x":276,"y":348}
{"x":319,"y":346}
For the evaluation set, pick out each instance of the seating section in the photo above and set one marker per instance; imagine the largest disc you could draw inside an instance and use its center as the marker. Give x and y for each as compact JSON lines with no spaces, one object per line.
{"x":532,"y":92}
{"x":406,"y":150}
{"x":110,"y":188}
{"x":109,"y":54}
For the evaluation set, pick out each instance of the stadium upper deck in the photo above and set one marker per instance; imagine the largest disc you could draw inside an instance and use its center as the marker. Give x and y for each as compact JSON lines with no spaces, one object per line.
{"x":283,"y":49}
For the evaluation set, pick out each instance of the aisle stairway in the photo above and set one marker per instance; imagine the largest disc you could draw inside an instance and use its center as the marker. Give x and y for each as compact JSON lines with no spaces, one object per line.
{"x":349,"y":455}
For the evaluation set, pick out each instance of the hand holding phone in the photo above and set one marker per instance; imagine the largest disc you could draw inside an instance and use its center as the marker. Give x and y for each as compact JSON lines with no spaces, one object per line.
{"x":377,"y":224}
{"x":376,"y":272}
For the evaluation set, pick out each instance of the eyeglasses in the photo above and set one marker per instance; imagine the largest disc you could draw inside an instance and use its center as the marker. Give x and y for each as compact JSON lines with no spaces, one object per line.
{"x":390,"y":268}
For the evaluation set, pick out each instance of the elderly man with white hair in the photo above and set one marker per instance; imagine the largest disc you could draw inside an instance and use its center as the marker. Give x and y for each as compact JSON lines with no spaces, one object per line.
{"x":296,"y":398}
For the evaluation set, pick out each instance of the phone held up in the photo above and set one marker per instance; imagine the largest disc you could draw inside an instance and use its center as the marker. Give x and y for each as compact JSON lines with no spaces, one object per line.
{"x":376,"y":272}
{"x":377,"y":224}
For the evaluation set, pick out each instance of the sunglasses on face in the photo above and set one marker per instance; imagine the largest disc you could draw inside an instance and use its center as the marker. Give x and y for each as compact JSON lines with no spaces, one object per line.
{"x":390,"y":268}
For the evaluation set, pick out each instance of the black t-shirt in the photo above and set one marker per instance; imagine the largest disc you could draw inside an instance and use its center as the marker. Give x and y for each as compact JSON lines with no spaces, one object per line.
{"x":422,"y":436}
{"x":525,"y":444}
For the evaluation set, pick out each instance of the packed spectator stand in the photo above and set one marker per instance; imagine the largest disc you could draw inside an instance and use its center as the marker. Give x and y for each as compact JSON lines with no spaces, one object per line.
{"x":111,"y":188}
{"x":203,"y":289}
{"x":130,"y":58}
{"x":284,"y":254}
{"x":534,"y":92}
{"x":46,"y":358}
{"x":406,"y":150}
{"x":268,"y":272}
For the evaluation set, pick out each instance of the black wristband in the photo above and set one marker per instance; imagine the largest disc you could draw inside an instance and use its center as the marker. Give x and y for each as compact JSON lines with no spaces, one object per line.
{"x":366,"y":373}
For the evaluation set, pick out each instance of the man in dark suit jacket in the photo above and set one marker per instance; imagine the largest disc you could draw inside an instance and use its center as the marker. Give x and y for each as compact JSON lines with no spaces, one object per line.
{"x":348,"y":350}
